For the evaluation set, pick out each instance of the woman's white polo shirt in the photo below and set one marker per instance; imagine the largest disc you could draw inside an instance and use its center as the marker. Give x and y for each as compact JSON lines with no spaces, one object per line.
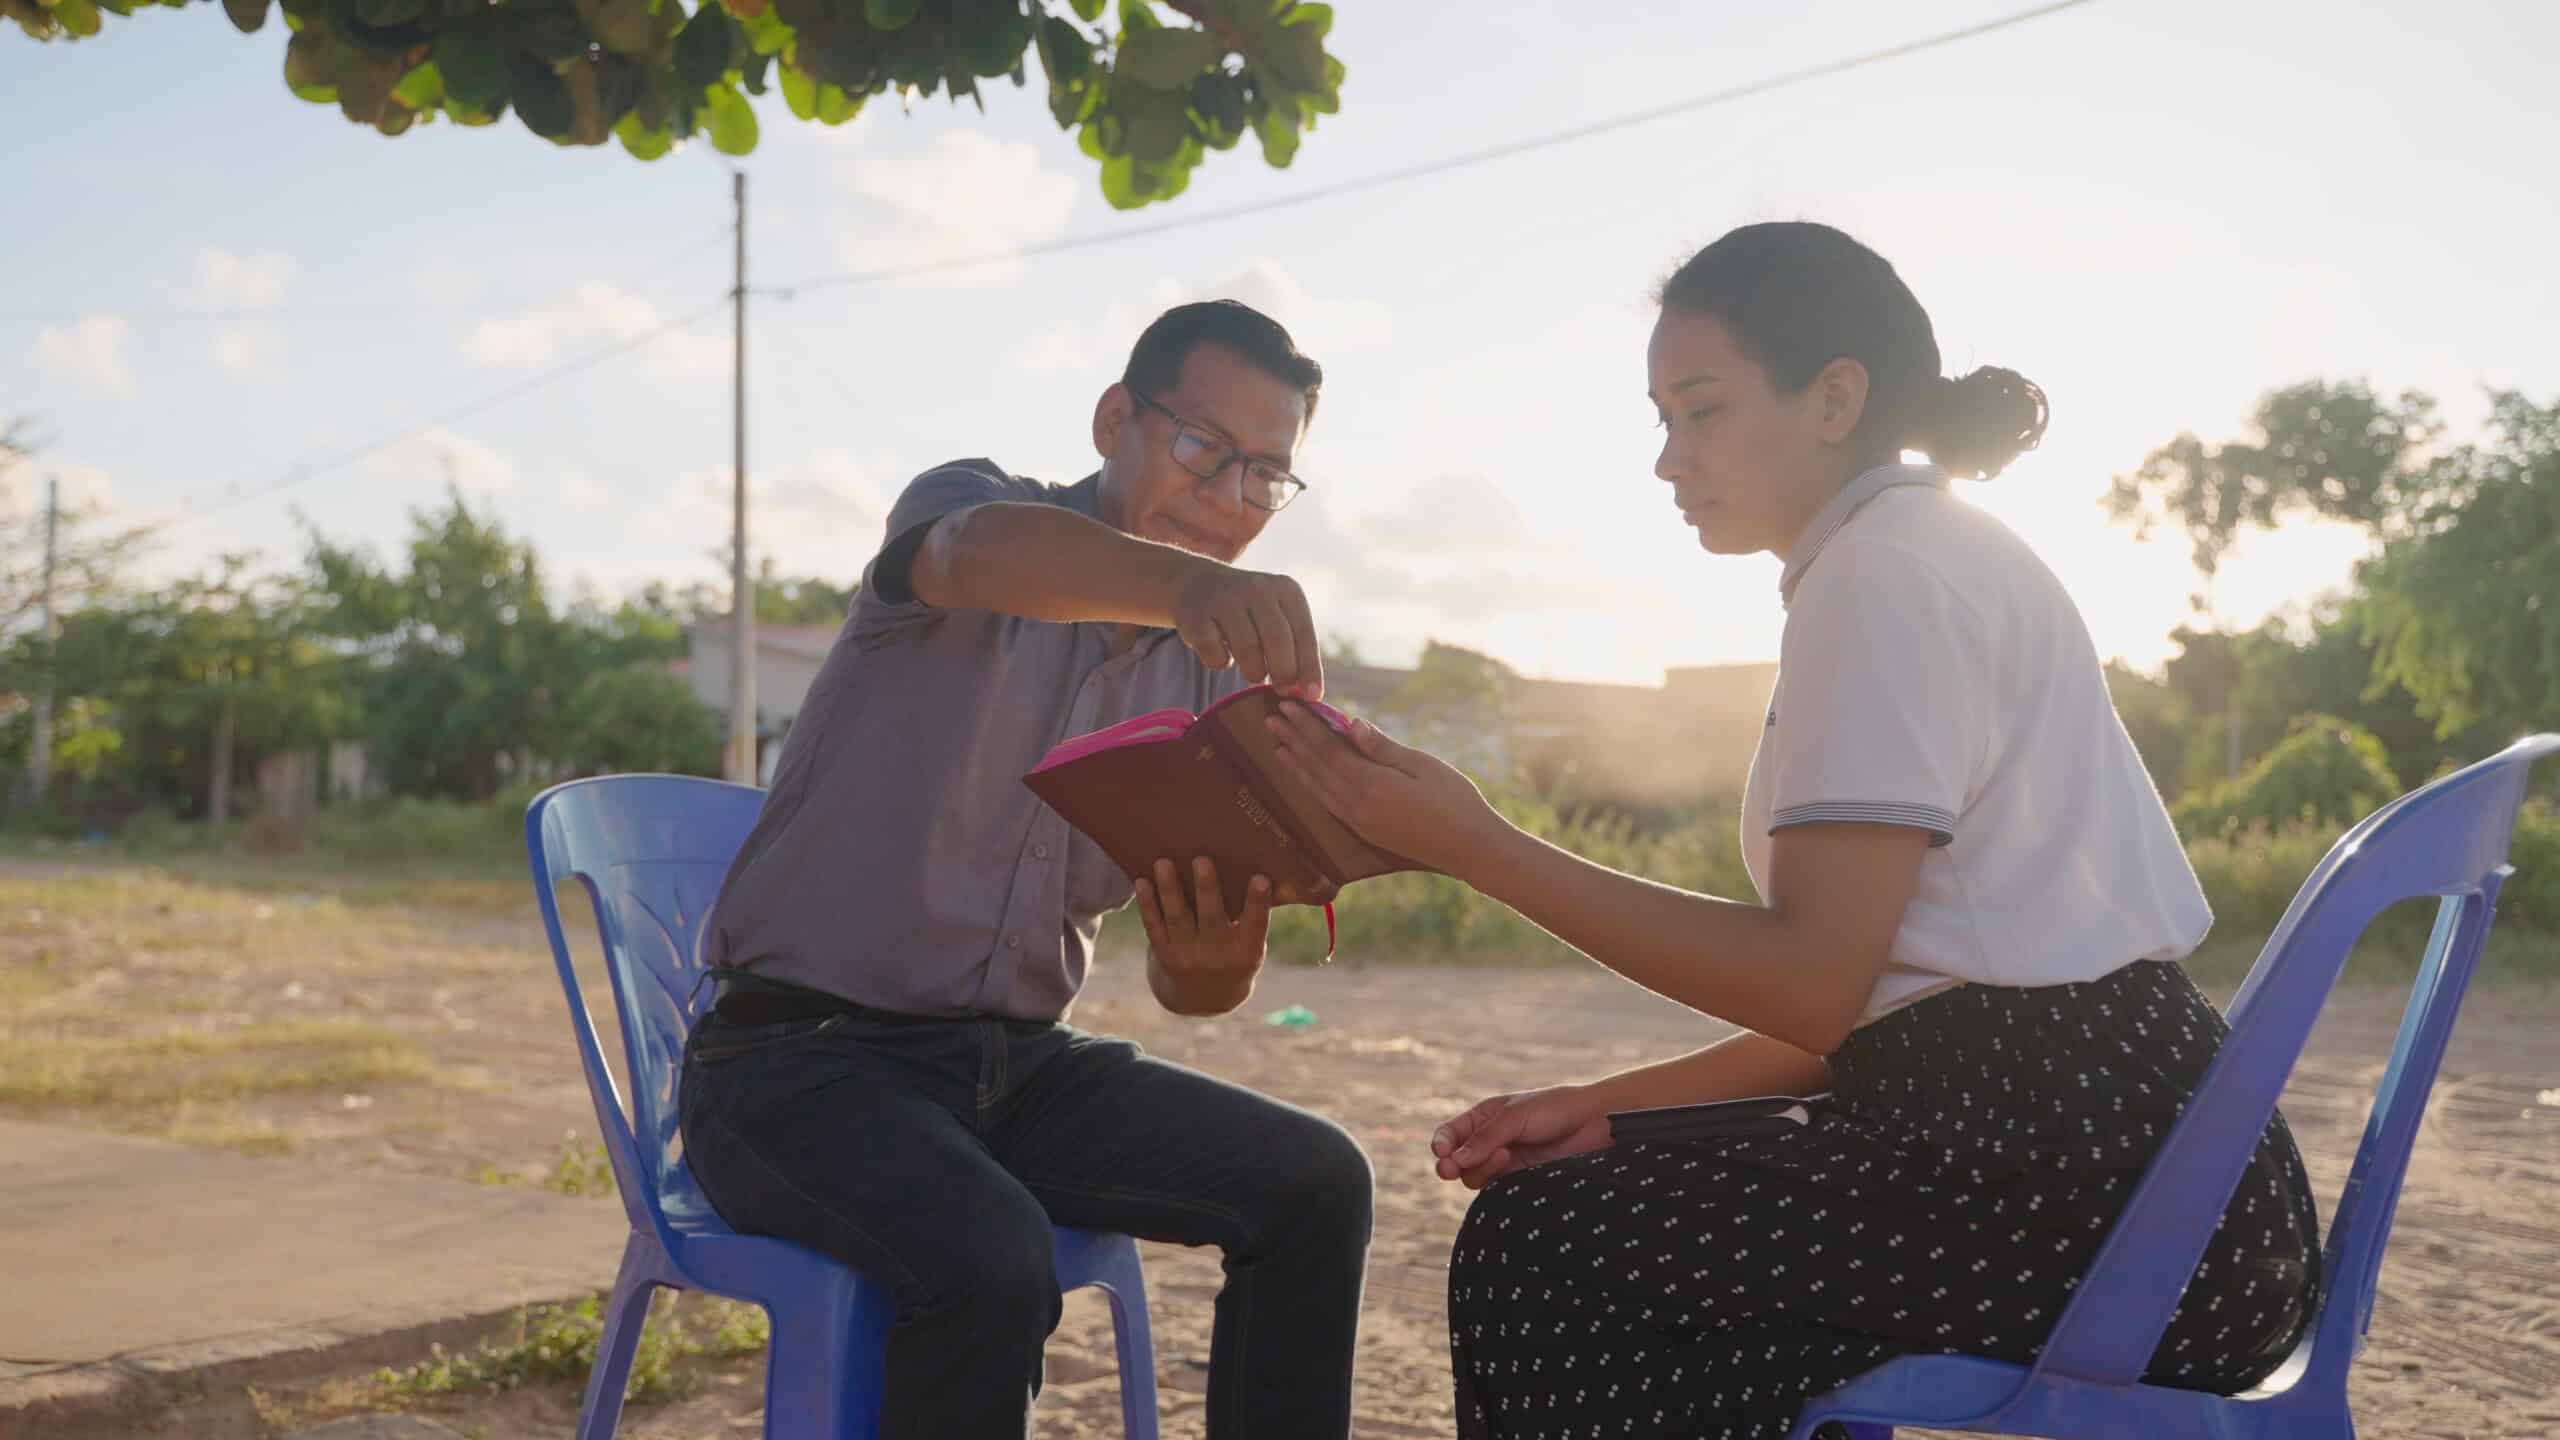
{"x":1934,"y":673}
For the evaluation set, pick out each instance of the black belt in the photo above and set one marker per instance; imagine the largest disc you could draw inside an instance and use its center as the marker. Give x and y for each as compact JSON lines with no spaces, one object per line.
{"x":745,"y":998}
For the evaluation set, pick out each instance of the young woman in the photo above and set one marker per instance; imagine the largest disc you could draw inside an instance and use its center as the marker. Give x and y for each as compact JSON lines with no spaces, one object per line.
{"x":1972,"y":909}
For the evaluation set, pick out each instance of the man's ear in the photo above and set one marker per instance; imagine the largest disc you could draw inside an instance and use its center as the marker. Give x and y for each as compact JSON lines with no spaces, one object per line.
{"x":1840,"y":400}
{"x":1111,"y":415}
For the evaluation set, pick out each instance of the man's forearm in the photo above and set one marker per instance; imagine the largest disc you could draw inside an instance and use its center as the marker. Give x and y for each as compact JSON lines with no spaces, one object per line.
{"x":1044,"y":563}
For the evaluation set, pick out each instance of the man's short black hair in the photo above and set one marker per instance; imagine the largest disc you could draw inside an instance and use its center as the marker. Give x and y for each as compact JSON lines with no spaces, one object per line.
{"x":1155,"y":363}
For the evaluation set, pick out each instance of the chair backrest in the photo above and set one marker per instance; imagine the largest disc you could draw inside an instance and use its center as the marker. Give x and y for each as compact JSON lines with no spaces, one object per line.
{"x":2448,"y":839}
{"x":651,"y":851}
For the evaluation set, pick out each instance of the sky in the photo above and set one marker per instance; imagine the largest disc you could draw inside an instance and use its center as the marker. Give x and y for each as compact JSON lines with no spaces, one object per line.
{"x":2157,"y":210}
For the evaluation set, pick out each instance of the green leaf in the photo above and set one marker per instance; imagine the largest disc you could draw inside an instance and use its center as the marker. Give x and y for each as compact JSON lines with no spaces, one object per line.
{"x":732,"y":120}
{"x":473,"y":66}
{"x":1158,"y":123}
{"x":246,"y":15}
{"x":836,"y":105}
{"x":1278,"y":128}
{"x":891,"y":14}
{"x":643,"y":142}
{"x":1065,"y":54}
{"x":311,"y":67}
{"x":767,"y":32}
{"x":1218,"y":99}
{"x":364,"y":85}
{"x":80,"y":17}
{"x":383,"y":14}
{"x":541,"y":99}
{"x":1087,"y":10}
{"x":799,"y":92}
{"x":421,"y":89}
{"x":625,"y":27}
{"x":1162,"y":59}
{"x":702,"y":47}
{"x":1293,"y":55}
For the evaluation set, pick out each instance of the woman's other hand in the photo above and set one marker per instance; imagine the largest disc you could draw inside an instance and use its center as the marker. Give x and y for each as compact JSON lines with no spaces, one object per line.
{"x":1511,"y":1132}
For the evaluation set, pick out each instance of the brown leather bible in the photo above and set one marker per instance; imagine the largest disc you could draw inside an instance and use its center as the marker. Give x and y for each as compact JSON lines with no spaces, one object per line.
{"x":1170,"y":785}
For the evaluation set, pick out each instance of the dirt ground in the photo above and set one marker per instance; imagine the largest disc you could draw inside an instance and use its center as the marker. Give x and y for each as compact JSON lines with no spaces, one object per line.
{"x":465,"y":1070}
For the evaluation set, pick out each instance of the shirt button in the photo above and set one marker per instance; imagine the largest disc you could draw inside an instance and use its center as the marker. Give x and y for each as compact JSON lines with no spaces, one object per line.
{"x":1013,"y":942}
{"x":1039,"y":852}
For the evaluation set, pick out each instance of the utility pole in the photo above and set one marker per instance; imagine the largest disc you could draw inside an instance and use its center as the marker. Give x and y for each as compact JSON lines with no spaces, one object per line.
{"x":741,"y":765}
{"x":40,"y":750}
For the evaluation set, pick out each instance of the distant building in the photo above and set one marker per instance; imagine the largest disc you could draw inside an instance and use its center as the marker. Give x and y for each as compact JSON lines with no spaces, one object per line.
{"x":787,"y":660}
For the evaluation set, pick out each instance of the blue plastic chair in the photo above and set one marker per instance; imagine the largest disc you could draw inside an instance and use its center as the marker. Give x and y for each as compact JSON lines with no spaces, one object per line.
{"x":651,"y":850}
{"x":2448,"y":839}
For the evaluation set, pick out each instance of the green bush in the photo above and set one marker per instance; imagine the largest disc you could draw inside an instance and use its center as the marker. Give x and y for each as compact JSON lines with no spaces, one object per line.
{"x":407,"y":828}
{"x":2328,"y":771}
{"x":2531,"y":896}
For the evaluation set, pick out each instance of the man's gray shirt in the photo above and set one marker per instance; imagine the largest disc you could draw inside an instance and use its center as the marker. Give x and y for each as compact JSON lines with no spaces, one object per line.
{"x":900,"y":862}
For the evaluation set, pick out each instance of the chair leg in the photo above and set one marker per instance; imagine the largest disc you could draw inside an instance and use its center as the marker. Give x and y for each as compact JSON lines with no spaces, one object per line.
{"x":823,"y":1363}
{"x":1134,"y":1340}
{"x":625,"y":1314}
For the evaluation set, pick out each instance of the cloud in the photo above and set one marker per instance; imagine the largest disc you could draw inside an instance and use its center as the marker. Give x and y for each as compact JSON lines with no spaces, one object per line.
{"x":242,"y":282}
{"x":1323,"y":326}
{"x":818,"y":515}
{"x":589,"y":316}
{"x":249,"y":352}
{"x":962,"y":193}
{"x":1452,"y":557}
{"x":445,"y":283}
{"x":423,"y":464}
{"x":90,"y":348}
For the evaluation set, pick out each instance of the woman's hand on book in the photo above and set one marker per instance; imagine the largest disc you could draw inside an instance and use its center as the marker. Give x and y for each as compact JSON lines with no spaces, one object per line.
{"x":1512,"y":1132}
{"x":1398,"y":798}
{"x":1258,"y":622}
{"x":1200,"y":961}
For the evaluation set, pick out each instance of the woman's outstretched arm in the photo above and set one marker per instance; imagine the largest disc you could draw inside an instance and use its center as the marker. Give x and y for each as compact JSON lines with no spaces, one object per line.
{"x":1798,"y":969}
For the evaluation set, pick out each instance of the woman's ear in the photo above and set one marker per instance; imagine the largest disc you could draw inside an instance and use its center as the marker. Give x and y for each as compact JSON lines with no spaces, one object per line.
{"x":1111,"y":415}
{"x":1840,"y":400}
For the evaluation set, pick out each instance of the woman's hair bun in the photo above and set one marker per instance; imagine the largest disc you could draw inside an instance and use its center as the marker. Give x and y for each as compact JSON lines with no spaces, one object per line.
{"x":1973,"y":426}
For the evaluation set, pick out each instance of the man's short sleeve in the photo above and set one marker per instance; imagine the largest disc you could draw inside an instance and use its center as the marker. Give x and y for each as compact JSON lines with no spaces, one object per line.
{"x":885,"y":602}
{"x":1883,"y":682}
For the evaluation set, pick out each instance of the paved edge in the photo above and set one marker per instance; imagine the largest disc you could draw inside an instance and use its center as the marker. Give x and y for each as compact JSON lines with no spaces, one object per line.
{"x":66,"y":1399}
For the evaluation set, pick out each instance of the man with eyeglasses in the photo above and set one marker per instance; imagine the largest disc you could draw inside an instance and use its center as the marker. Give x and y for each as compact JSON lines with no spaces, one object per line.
{"x":885,"y":1074}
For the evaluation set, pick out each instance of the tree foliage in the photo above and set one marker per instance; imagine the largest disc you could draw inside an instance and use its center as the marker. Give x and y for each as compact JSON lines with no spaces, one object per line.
{"x":1147,"y":99}
{"x":195,"y":680}
{"x":2463,"y":612}
{"x":2328,"y":771}
{"x":2322,"y":447}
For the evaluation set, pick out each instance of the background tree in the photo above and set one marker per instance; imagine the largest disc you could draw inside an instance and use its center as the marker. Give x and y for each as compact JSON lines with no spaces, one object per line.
{"x":2463,"y":610}
{"x":1146,"y":98}
{"x":198,"y":680}
{"x":454,"y":655}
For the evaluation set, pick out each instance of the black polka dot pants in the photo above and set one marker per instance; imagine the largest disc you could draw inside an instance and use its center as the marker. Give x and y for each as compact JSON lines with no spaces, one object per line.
{"x":1973,"y":1151}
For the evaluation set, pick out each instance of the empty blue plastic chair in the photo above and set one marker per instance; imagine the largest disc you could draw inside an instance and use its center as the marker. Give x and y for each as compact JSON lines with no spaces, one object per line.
{"x":651,"y":850}
{"x":2448,"y":839}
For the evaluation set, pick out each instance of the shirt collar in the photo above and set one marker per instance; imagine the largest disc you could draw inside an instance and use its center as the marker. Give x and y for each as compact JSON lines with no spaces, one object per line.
{"x":1083,"y":497}
{"x":1852,"y":497}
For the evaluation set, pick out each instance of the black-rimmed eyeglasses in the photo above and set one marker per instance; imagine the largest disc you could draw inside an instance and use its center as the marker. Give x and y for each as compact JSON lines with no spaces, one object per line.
{"x":1206,"y":454}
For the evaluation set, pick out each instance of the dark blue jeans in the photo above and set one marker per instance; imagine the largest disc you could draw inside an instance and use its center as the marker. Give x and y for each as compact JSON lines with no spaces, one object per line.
{"x":934,"y":1156}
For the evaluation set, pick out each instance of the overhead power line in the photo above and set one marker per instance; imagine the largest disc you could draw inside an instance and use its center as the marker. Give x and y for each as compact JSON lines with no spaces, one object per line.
{"x":305,"y":471}
{"x":1464,"y":161}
